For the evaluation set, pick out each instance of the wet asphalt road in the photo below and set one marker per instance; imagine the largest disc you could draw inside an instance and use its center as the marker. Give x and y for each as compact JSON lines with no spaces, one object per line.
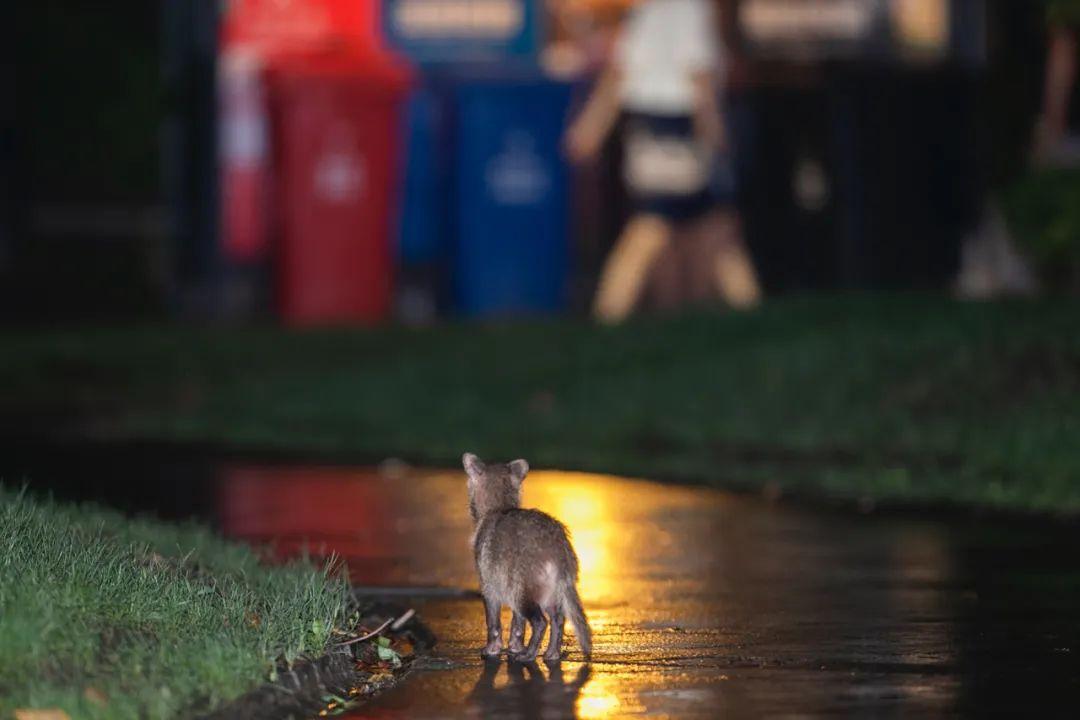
{"x":705,"y":604}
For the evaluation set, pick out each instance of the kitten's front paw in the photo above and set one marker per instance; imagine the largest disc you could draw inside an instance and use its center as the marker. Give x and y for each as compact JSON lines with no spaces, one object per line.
{"x":523,"y":657}
{"x":553,"y":656}
{"x":491,"y":650}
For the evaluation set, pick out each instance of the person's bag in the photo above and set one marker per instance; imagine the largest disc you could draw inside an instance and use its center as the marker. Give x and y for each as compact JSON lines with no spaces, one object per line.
{"x":665,"y":164}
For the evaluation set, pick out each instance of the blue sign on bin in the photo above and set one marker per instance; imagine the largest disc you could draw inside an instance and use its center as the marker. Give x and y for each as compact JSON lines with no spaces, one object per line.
{"x":455,"y":31}
{"x":512,"y":218}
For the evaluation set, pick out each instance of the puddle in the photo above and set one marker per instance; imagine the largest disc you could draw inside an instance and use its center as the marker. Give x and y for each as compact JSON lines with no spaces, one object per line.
{"x":702,"y":603}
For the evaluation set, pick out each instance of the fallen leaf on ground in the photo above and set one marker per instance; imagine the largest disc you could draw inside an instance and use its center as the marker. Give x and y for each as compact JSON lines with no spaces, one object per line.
{"x":43,"y":714}
{"x":387,"y":654}
{"x":381,"y":677}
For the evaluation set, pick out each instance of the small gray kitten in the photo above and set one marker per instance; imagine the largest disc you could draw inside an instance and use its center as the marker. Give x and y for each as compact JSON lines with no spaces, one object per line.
{"x":525,"y":560}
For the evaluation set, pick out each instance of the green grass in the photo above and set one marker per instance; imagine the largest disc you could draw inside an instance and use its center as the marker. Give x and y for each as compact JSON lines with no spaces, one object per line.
{"x":908,"y":398}
{"x":163,"y":620}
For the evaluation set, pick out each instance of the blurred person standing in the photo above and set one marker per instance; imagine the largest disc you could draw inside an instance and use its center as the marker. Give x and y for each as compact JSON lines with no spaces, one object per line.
{"x":1052,"y":139}
{"x":663,"y":76}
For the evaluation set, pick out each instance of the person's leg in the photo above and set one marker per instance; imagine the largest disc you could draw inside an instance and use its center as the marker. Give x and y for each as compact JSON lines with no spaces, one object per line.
{"x":735,"y":276}
{"x":626,"y":269}
{"x":1060,"y":77}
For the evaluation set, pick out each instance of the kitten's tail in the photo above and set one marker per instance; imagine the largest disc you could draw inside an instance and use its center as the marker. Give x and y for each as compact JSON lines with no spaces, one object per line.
{"x":571,"y":604}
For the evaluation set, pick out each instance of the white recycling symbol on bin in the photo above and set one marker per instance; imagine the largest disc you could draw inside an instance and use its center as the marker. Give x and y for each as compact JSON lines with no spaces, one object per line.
{"x":340,"y":173}
{"x":517,"y":174}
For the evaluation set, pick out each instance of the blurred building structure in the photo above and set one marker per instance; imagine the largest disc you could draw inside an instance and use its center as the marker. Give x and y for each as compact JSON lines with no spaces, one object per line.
{"x":81,"y":213}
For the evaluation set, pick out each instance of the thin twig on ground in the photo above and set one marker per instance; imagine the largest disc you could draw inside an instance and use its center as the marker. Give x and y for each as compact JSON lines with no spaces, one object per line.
{"x":370,"y":635}
{"x":405,"y":616}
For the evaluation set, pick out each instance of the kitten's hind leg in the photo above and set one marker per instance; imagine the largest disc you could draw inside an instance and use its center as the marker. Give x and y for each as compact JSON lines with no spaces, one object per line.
{"x":539,"y":625}
{"x":493,"y":617}
{"x":517,"y":634}
{"x":553,"y":654}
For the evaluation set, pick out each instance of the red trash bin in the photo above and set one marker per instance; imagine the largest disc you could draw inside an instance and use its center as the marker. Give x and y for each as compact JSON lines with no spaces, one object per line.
{"x":336,"y":137}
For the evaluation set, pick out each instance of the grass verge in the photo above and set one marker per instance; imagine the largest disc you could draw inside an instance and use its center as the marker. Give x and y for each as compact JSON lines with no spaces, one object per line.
{"x":909,"y":398}
{"x":105,"y":617}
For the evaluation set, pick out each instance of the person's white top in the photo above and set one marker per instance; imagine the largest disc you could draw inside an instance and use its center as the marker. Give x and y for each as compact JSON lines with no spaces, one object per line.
{"x":663,"y":44}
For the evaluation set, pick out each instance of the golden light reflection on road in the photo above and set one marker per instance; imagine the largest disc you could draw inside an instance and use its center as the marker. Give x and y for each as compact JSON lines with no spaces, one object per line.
{"x":606,"y":696}
{"x":591,"y":706}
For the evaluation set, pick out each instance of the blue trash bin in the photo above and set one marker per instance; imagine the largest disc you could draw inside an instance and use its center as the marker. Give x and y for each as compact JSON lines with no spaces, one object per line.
{"x":510,"y":198}
{"x":424,"y":223}
{"x":421,"y":233}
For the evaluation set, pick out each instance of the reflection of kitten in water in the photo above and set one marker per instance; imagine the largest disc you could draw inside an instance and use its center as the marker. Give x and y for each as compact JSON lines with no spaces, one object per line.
{"x":528,"y":692}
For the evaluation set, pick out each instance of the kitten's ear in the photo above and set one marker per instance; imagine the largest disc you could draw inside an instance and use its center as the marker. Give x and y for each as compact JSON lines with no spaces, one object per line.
{"x":473,"y":467}
{"x":518,"y":470}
